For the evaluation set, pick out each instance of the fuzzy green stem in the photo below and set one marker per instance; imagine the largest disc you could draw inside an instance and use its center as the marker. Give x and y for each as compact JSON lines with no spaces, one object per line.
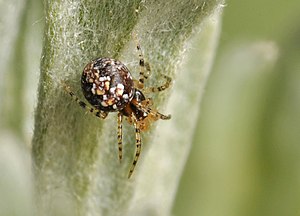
{"x":75,"y":155}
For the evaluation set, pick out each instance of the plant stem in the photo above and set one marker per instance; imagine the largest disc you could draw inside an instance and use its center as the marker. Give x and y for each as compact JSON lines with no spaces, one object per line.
{"x":75,"y":155}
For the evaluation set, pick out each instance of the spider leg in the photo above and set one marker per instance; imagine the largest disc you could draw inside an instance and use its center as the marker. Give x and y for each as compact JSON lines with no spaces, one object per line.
{"x":163,"y":87}
{"x":98,"y":113}
{"x":120,"y":119}
{"x":147,"y":102}
{"x":157,"y":115}
{"x":145,"y":70}
{"x":138,"y":144}
{"x":143,"y":65}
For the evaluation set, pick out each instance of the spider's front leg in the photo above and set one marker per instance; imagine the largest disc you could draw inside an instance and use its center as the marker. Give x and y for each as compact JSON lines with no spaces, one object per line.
{"x":163,"y":87}
{"x":144,"y":66}
{"x":145,"y":71}
{"x":138,"y":144}
{"x":144,"y":106}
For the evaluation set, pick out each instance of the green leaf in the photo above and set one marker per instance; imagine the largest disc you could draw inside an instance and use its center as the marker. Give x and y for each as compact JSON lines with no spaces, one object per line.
{"x":75,"y":155}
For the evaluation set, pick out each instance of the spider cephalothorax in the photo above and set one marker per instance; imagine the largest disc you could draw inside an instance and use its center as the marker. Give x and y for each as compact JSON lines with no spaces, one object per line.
{"x":108,"y":86}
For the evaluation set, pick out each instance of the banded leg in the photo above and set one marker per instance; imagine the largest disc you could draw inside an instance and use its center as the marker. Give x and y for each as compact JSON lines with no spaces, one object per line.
{"x":120,"y":119}
{"x":163,"y":87}
{"x":156,"y":114}
{"x":98,"y":113}
{"x":138,"y":144}
{"x":142,"y":63}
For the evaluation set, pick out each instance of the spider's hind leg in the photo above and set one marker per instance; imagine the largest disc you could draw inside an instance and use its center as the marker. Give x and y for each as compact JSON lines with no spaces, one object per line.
{"x":120,"y":119}
{"x":98,"y":113}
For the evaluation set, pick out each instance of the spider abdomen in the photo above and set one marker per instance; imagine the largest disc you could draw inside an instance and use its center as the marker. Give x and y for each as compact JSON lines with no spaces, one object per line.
{"x":107,"y":84}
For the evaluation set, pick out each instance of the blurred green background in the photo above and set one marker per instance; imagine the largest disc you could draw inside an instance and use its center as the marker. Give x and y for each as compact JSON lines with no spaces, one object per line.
{"x":246,"y":152}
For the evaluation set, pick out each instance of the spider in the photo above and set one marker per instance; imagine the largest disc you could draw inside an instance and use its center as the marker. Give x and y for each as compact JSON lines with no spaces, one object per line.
{"x":108,"y":86}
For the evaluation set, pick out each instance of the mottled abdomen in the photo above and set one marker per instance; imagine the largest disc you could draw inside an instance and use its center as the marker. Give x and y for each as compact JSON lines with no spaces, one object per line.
{"x":107,"y":84}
